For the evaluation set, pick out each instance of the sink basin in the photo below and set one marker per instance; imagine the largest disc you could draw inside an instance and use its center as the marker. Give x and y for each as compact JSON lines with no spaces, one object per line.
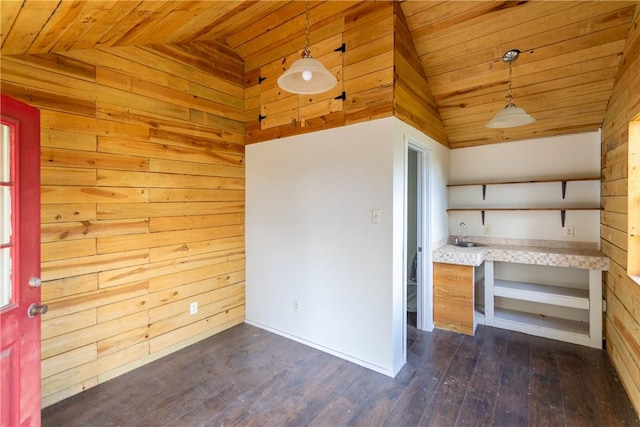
{"x":468,"y":244}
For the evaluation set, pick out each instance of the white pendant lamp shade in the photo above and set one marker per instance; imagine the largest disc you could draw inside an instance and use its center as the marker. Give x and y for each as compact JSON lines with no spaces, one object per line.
{"x":511,"y":116}
{"x":307,"y":75}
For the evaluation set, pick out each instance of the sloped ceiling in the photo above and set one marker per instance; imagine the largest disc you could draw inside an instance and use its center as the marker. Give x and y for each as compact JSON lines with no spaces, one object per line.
{"x":571,"y":51}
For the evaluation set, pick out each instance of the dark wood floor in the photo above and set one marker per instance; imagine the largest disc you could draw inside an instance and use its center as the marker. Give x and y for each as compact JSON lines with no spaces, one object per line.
{"x":246,"y":376}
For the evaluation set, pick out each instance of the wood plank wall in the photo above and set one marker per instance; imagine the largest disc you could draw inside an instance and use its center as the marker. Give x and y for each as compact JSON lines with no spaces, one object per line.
{"x":143,"y":181}
{"x":413,"y":100}
{"x":367,"y":75}
{"x":142,"y":203}
{"x":143,"y":185}
{"x":622,"y":319}
{"x":381,"y":75}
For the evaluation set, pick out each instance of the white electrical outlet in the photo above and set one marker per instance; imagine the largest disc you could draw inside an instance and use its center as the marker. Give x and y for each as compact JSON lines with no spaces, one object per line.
{"x":296,"y":305}
{"x":568,"y":231}
{"x":487,"y":229}
{"x":193,"y":307}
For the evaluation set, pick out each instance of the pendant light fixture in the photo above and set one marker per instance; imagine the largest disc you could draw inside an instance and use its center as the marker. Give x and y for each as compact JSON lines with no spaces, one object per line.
{"x":307,"y":75}
{"x":510,"y":116}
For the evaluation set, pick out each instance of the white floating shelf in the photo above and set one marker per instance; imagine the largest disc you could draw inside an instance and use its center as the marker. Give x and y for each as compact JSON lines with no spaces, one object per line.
{"x":555,"y":295}
{"x":544,"y":326}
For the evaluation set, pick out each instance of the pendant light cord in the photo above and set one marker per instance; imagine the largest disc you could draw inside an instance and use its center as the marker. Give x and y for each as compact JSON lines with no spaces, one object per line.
{"x":510,"y":95}
{"x":306,"y":75}
{"x":510,"y":116}
{"x":307,"y":49}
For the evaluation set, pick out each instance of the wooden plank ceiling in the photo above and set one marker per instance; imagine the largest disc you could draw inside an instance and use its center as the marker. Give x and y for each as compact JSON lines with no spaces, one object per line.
{"x":571,"y":51}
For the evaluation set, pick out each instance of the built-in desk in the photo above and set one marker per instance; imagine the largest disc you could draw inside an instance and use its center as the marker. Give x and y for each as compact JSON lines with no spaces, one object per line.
{"x":586,"y":297}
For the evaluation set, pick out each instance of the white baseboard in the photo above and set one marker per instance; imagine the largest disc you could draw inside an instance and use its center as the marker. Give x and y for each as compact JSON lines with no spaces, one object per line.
{"x":330,"y":351}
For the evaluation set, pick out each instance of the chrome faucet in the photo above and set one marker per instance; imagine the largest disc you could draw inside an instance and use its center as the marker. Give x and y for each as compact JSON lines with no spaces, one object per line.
{"x":461,"y":227}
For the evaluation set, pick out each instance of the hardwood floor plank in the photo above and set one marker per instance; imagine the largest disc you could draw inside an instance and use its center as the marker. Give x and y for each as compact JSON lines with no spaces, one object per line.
{"x":606,"y":386}
{"x":290,"y":401}
{"x":209,"y":409}
{"x":430,"y":362}
{"x":319,"y":396}
{"x":580,"y":406}
{"x":480,"y":401}
{"x":250,"y":377}
{"x":512,"y":406}
{"x":445,"y":406}
{"x":191,"y":399}
{"x":547,"y":406}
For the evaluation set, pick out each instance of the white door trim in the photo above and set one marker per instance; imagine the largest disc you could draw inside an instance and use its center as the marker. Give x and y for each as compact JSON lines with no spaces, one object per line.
{"x":425,"y":288}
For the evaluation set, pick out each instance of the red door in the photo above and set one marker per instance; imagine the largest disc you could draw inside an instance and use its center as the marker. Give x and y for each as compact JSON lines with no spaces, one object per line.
{"x":19,"y":264}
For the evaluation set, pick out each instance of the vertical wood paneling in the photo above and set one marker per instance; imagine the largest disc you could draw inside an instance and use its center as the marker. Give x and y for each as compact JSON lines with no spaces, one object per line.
{"x":622,"y":319}
{"x":142,"y":183}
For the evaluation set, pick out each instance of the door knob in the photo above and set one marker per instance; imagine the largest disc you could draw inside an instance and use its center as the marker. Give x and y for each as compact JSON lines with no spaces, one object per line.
{"x":35,"y":309}
{"x":35,"y":282}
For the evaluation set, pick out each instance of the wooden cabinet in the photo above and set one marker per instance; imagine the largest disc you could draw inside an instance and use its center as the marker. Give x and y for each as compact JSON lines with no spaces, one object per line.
{"x":453,"y":297}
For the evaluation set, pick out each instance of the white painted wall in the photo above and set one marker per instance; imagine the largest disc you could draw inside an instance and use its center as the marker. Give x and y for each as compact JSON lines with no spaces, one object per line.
{"x":569,"y":156}
{"x":309,"y":238}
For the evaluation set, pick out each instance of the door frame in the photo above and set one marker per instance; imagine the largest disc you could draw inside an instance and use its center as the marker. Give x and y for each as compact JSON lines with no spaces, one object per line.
{"x":424,"y":270}
{"x":21,"y":331}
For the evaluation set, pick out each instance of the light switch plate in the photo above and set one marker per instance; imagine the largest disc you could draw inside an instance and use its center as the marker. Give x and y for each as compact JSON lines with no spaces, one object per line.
{"x":375,"y":216}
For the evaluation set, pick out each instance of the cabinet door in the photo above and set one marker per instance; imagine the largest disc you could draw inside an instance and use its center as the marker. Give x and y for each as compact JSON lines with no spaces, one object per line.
{"x":453,"y":299}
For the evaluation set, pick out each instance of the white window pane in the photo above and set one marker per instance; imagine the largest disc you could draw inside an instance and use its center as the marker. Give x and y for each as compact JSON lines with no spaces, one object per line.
{"x":4,"y":154}
{"x":5,"y":215}
{"x":5,"y":276}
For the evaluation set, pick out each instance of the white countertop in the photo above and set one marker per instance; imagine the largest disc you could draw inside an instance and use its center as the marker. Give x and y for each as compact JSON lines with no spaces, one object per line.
{"x":538,"y":255}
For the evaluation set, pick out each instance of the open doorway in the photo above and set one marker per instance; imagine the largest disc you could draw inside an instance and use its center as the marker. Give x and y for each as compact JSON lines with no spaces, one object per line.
{"x":413,"y":233}
{"x":417,"y":250}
